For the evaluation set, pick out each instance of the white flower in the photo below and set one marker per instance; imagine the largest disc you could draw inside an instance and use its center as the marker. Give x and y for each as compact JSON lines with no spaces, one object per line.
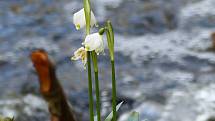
{"x":81,"y":53}
{"x":94,"y":42}
{"x":80,"y":21}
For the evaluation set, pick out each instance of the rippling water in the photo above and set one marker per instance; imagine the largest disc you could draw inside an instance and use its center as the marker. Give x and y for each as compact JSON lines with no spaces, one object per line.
{"x":164,"y":67}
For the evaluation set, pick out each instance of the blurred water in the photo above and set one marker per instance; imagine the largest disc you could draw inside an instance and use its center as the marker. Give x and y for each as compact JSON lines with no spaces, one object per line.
{"x":162,"y":58}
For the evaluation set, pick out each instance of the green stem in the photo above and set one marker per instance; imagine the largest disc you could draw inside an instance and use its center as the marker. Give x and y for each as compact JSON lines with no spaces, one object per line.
{"x":98,"y":102}
{"x":90,"y":88}
{"x":87,"y":12}
{"x":110,"y":41}
{"x":113,"y":90}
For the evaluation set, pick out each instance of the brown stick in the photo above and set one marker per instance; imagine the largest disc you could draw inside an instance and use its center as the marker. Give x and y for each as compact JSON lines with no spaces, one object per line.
{"x":213,"y":40}
{"x":50,"y":88}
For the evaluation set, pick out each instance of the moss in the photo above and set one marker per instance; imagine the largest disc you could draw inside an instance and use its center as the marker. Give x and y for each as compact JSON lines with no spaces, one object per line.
{"x":6,"y":119}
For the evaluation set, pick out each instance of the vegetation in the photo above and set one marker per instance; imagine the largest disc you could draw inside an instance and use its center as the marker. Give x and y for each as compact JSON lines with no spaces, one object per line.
{"x":93,"y":45}
{"x":6,"y":118}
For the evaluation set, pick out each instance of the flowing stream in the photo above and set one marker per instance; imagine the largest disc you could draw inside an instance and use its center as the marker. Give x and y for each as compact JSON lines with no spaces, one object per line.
{"x":165,"y":67}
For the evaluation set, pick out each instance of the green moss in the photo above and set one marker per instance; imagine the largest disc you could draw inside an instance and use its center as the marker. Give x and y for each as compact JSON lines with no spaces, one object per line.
{"x":6,"y":118}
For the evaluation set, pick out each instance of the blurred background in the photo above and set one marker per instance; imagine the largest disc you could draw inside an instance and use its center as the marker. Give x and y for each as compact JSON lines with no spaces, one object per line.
{"x":165,"y":57}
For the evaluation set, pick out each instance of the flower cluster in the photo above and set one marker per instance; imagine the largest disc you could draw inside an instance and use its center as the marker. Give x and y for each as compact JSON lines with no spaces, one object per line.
{"x":92,"y":42}
{"x":93,"y":45}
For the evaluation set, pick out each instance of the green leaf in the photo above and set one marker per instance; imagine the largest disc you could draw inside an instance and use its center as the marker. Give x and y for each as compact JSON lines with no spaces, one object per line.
{"x":110,"y":39}
{"x":110,"y":29}
{"x":134,"y":116}
{"x":110,"y":116}
{"x":110,"y":45}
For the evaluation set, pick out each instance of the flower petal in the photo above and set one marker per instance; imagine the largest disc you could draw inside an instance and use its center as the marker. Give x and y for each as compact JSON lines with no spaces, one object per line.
{"x":80,"y":54}
{"x":79,"y":19}
{"x":94,"y":42}
{"x":93,"y":20}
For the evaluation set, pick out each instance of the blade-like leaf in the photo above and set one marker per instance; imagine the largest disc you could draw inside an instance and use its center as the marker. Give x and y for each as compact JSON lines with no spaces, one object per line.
{"x":95,"y":118}
{"x":110,"y":29}
{"x":134,"y":116}
{"x":110,"y":46}
{"x":110,"y":116}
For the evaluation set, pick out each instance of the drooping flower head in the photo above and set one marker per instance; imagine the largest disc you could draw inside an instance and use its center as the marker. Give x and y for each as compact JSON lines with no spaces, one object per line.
{"x":79,"y":19}
{"x":94,"y":42}
{"x":81,"y":53}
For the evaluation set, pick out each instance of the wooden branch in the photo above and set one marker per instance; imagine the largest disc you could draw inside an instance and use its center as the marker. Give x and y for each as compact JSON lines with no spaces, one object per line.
{"x":50,"y":87}
{"x":213,"y":40}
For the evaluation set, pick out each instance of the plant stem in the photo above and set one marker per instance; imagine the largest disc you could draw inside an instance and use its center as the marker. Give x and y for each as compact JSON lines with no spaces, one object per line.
{"x":110,"y":40}
{"x":87,"y":11}
{"x":90,"y":88}
{"x":113,"y":90}
{"x":98,"y":102}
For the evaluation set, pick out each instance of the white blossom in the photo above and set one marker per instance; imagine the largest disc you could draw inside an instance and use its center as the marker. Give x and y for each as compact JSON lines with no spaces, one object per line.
{"x":94,"y":42}
{"x":80,"y":21}
{"x":81,"y":53}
